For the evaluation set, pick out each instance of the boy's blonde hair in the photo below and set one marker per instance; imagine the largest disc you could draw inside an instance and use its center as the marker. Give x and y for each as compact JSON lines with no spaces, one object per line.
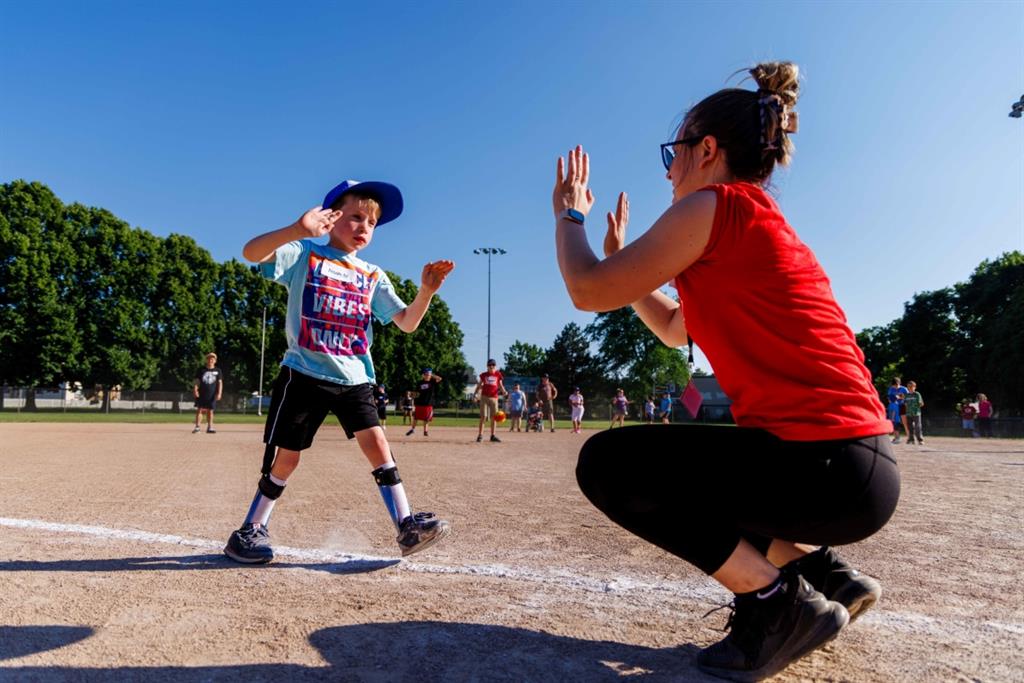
{"x":359,"y":197}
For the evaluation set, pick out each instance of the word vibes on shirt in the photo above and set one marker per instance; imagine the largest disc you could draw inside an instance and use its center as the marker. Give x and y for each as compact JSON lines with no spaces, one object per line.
{"x":336,"y":307}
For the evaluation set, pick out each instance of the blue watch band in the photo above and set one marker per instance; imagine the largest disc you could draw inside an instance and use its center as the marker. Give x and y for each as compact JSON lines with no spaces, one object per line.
{"x":572,"y":215}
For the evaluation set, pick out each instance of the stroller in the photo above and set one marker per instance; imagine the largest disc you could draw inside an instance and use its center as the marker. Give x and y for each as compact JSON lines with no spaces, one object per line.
{"x":535,"y":420}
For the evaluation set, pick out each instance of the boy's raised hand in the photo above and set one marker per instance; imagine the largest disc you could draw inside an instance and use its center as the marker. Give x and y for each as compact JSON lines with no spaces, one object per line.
{"x":318,"y":221}
{"x":435,"y":273}
{"x":615,"y":238}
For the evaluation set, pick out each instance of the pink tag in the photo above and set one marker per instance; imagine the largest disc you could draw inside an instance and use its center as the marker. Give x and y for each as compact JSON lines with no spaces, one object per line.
{"x":691,"y":399}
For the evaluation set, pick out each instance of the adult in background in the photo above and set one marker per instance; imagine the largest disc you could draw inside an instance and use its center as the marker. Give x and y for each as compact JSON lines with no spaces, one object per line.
{"x":423,"y":404}
{"x":620,"y":406}
{"x":489,"y":385}
{"x":665,"y":408}
{"x":207,"y":389}
{"x":808,"y":465}
{"x":546,"y":394}
{"x":516,"y":408}
{"x":984,"y":416}
{"x":897,"y":411}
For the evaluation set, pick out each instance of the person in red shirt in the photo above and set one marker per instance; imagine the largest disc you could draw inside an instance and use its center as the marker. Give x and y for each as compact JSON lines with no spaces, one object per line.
{"x":808,"y":466}
{"x":489,"y":385}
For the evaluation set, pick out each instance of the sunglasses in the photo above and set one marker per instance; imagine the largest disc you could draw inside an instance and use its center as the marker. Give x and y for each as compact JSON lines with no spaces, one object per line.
{"x":668,"y":153}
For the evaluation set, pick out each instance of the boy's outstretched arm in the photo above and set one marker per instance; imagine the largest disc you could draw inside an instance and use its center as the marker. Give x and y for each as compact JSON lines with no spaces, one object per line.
{"x":431,"y":280}
{"x":314,"y":223}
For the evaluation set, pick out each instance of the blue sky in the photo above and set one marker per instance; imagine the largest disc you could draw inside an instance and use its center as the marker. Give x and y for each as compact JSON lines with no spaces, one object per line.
{"x":224,"y":120}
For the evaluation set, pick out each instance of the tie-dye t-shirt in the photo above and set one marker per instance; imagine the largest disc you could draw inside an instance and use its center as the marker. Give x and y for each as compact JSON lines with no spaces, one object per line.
{"x":332,"y":297}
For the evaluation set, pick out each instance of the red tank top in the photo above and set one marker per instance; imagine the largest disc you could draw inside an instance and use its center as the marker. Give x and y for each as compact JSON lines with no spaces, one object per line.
{"x":759,"y":305}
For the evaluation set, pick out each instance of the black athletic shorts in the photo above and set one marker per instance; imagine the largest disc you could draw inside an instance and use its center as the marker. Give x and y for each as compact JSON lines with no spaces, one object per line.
{"x":300,"y":403}
{"x":206,"y":403}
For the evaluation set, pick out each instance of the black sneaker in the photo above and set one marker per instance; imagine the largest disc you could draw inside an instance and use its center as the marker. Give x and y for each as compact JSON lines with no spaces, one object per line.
{"x":838,"y":581}
{"x":767,"y":635}
{"x":420,"y":531}
{"x":211,"y":430}
{"x":495,"y":439}
{"x":250,"y":544}
{"x":479,"y":438}
{"x":410,"y":432}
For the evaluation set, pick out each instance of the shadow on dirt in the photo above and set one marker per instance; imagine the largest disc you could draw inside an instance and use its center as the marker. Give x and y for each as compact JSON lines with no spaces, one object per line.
{"x":407,"y":651}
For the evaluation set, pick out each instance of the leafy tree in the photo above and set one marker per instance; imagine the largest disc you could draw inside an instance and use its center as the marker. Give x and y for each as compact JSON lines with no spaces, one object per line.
{"x":930,"y":340}
{"x":525,"y":359}
{"x":635,"y":357}
{"x":37,"y":322}
{"x":570,"y":363}
{"x":185,"y":311}
{"x":437,"y":343}
{"x":113,"y":294}
{"x":242,"y":293}
{"x":990,"y":310}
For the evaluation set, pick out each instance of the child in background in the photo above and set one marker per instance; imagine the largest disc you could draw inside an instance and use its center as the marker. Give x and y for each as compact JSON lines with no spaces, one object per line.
{"x":914,"y":403}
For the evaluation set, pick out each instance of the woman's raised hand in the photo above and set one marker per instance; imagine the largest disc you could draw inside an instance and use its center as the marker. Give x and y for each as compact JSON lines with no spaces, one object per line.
{"x":615,"y":238}
{"x":571,"y":191}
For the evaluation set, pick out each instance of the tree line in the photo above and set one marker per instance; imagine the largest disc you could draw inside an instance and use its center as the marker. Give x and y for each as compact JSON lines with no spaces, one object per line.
{"x":86,"y":297}
{"x":958,"y":341}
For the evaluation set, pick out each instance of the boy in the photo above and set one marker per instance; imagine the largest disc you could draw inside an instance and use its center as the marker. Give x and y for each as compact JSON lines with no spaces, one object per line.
{"x":332,"y":296}
{"x":423,"y":404}
{"x":914,"y":402}
{"x":207,"y":389}
{"x":488,"y":386}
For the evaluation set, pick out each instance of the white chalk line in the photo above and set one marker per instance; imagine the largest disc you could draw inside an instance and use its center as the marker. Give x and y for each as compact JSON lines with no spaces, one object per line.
{"x":661,"y":591}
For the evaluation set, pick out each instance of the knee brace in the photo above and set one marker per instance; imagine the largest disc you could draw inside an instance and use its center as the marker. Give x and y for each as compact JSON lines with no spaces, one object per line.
{"x":386,"y":477}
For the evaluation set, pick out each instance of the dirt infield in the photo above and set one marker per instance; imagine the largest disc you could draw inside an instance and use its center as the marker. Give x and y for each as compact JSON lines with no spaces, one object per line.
{"x":110,"y":539}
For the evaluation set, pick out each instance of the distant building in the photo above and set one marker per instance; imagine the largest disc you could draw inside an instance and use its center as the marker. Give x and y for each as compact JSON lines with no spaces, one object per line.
{"x":716,"y":405}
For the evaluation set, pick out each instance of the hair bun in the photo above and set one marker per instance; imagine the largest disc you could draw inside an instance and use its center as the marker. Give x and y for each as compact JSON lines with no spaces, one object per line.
{"x":778,"y":78}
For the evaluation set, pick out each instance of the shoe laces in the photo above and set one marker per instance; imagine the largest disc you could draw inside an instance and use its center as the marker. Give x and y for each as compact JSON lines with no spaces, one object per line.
{"x":747,"y":626}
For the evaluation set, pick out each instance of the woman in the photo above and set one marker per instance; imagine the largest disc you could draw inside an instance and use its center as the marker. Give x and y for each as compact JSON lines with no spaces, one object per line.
{"x":620,"y":405}
{"x":754,"y":507}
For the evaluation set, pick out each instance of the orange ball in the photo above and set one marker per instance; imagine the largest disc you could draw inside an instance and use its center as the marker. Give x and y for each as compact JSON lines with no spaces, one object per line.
{"x":499,"y":416}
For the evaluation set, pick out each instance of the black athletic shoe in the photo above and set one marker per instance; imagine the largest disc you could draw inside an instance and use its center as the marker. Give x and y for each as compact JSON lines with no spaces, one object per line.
{"x":420,"y":531}
{"x":410,"y":432}
{"x":479,"y":438}
{"x":211,"y":430}
{"x":250,"y":544}
{"x":495,"y":439}
{"x":767,"y":635}
{"x":838,"y":581}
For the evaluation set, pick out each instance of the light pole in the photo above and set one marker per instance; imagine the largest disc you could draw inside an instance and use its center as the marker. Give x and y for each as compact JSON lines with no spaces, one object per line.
{"x":490,"y":251}
{"x":263,"y":343}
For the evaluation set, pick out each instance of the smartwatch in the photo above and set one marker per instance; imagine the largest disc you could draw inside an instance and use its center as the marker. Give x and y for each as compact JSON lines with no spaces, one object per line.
{"x":571,"y":215}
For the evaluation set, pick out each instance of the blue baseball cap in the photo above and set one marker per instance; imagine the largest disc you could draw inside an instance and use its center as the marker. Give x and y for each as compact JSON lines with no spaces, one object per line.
{"x":387,"y":195}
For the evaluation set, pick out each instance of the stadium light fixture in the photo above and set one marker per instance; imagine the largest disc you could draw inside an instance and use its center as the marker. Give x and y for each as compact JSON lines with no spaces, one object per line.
{"x":490,"y":251}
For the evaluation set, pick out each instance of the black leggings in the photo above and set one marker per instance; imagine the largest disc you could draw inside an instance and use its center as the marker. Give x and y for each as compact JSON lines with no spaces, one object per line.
{"x":696,"y":490}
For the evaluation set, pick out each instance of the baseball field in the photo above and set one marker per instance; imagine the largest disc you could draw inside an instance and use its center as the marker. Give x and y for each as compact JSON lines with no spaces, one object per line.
{"x":111,"y":566}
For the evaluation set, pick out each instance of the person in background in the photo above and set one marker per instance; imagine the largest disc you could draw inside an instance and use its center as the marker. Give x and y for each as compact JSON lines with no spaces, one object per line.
{"x":516,"y":408}
{"x":984,"y":416}
{"x":914,"y":402}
